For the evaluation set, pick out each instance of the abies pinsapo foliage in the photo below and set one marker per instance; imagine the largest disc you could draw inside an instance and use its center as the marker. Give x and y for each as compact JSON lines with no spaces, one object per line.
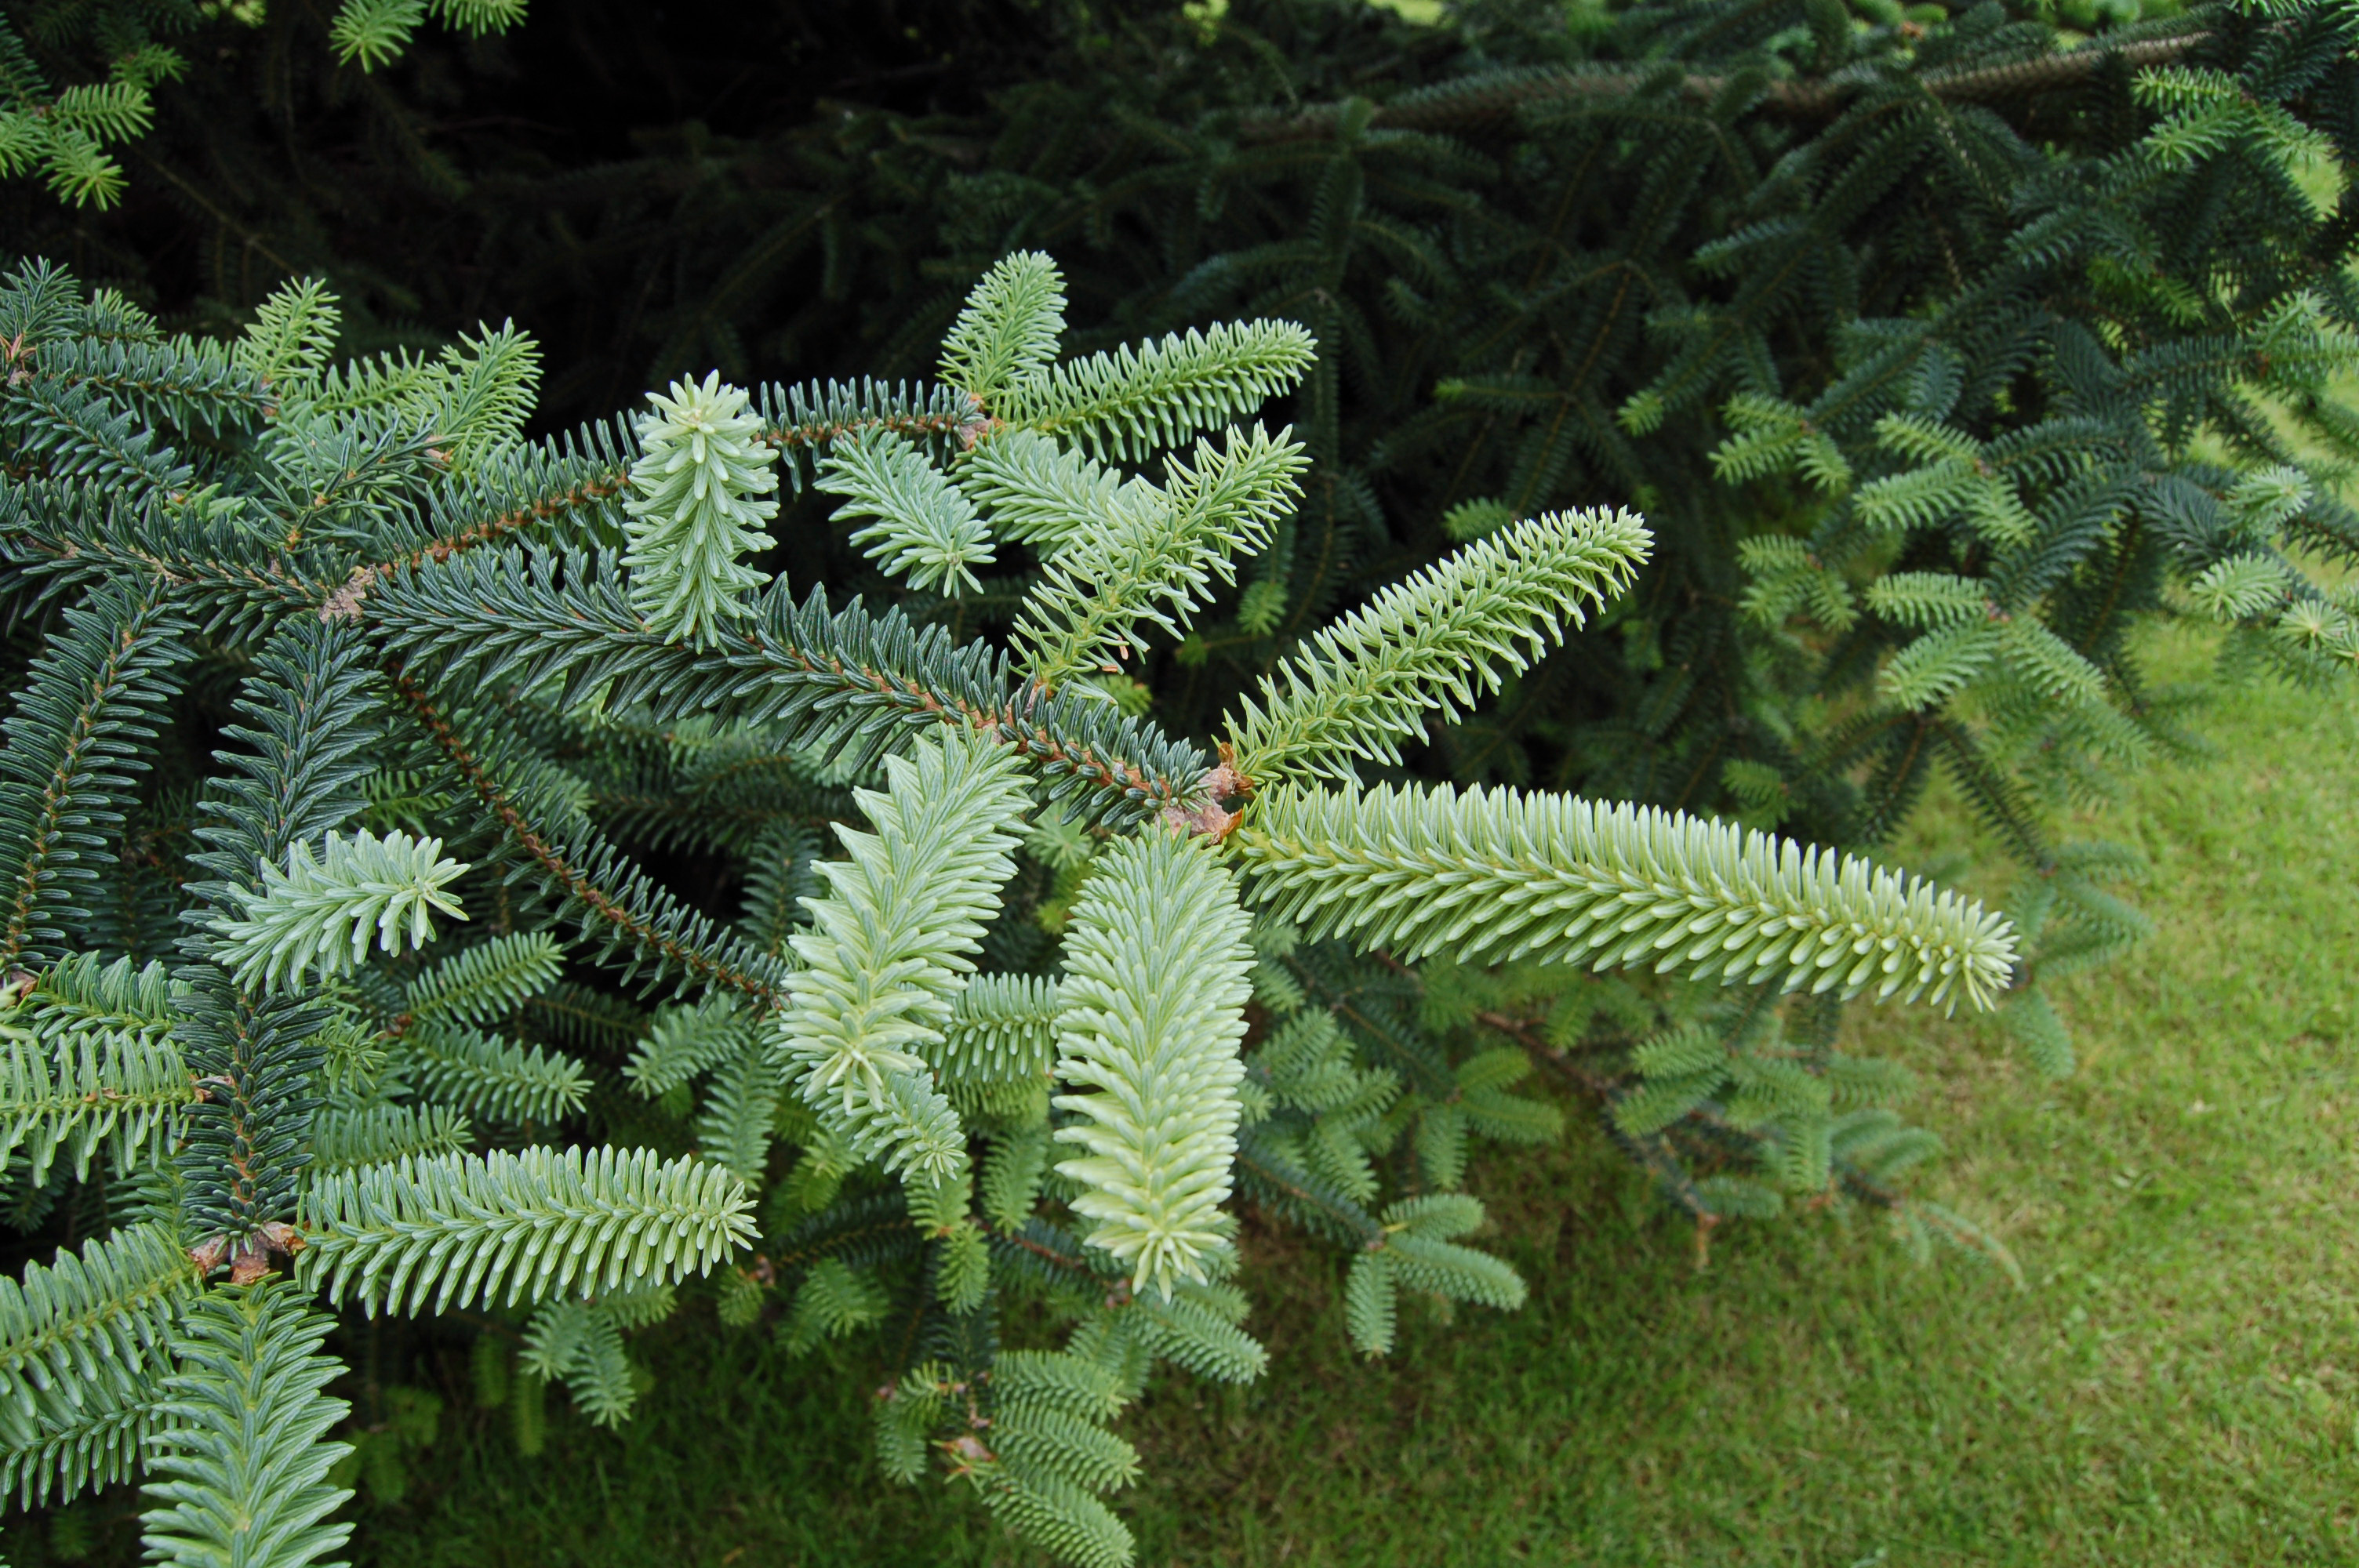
{"x":1023,"y":994}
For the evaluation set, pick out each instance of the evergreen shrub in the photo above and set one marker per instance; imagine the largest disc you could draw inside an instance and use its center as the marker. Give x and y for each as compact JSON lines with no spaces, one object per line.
{"x":452,"y":870}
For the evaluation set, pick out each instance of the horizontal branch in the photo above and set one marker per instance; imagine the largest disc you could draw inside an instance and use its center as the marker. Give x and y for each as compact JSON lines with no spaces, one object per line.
{"x":834,"y":680}
{"x":1497,"y":101}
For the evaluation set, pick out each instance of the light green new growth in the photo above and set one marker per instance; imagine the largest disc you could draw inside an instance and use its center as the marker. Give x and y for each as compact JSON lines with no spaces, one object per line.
{"x":1493,"y":876}
{"x":925,"y":529}
{"x":696,"y":508}
{"x":1150,"y":1016}
{"x":470,"y":400}
{"x":1058,"y":1380}
{"x":65,"y":138}
{"x":1003,"y":1030}
{"x":1967,"y":636}
{"x":82,"y":1360}
{"x":430,"y":1234}
{"x":1956,"y":480}
{"x":1064,"y":1519}
{"x":292,"y":334}
{"x":1037,"y":492}
{"x":1050,"y":1450}
{"x":317,"y":913}
{"x":904,"y":1414}
{"x":1308,"y":1065}
{"x":1197,"y":1328}
{"x":1933,"y":600}
{"x":580,"y":1343}
{"x":573,"y":1343}
{"x":1012,"y":1170}
{"x":242,"y":1459}
{"x":1006,"y":334}
{"x":2235,"y":586}
{"x":1051,"y":1441}
{"x":1155,"y":554}
{"x":1126,"y":404}
{"x":1770,"y":436}
{"x":889,"y":948}
{"x":90,"y":1062}
{"x":832,"y":1302}
{"x":1433,"y":645}
{"x":2204,"y":110}
{"x":371,"y":33}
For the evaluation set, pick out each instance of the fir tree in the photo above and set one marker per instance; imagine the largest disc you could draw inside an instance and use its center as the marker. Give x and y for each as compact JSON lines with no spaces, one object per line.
{"x":1936,"y":360}
{"x":1000,"y":1041}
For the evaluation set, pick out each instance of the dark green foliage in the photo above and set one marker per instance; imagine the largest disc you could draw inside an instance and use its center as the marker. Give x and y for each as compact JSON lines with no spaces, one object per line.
{"x":73,"y":741}
{"x":248,"y":1139}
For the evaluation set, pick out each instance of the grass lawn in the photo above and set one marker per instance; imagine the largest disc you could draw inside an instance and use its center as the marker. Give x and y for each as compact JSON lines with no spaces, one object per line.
{"x":2179,"y":1384}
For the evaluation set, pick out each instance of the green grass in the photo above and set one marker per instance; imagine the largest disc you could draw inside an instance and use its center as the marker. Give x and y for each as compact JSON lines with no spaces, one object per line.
{"x":2176,"y":1385}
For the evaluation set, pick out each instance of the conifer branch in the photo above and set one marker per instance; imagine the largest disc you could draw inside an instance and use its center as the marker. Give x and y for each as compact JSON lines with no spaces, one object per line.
{"x":454,"y":1229}
{"x":88,"y":1062}
{"x":581,"y":1342}
{"x":1284,"y":1187}
{"x":242,"y":1457}
{"x":1006,"y":333}
{"x":827,"y":681}
{"x":478,"y":514}
{"x":1002,"y":1030}
{"x":486,"y":981}
{"x":1155,"y":554}
{"x":1128,"y":402}
{"x":72,"y":742}
{"x":925,"y":530}
{"x":683,"y":1041}
{"x":191,"y":384}
{"x":619,"y":907}
{"x":702,"y":487}
{"x":497,"y":1079}
{"x":740,"y":1114}
{"x":1149,"y":1015}
{"x":889,"y":948}
{"x":74,"y":533}
{"x":319,"y":914}
{"x":806,"y":419}
{"x":1499,"y":98}
{"x":1432,"y":645}
{"x":1488,"y":876}
{"x":348,"y":1139}
{"x":248,"y":1138}
{"x":83,"y":1359}
{"x":1036,"y":491}
{"x":307,"y":714}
